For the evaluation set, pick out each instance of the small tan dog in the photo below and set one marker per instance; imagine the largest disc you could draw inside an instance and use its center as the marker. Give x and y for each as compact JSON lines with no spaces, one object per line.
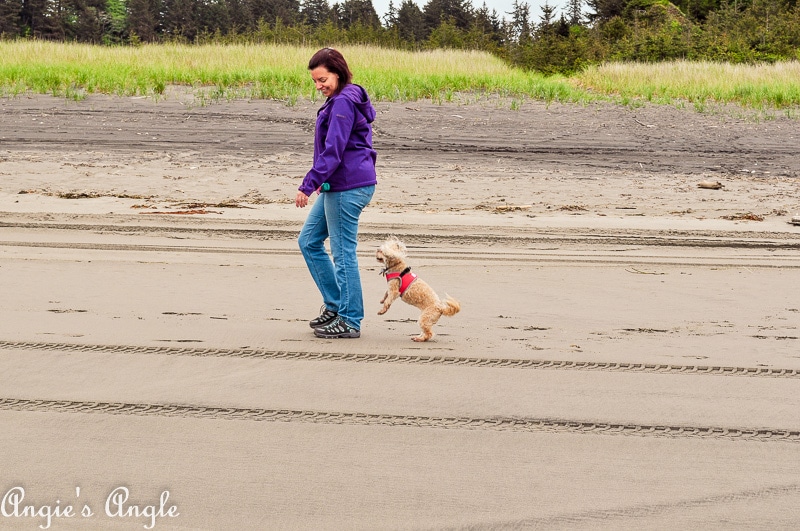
{"x":405,"y":284}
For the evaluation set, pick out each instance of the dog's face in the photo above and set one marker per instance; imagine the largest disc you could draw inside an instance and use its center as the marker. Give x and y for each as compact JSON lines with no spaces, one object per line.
{"x":391,"y":252}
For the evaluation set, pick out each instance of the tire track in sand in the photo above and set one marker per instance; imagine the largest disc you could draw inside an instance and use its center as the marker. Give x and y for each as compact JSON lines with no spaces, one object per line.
{"x":498,"y":423}
{"x":408,"y":359}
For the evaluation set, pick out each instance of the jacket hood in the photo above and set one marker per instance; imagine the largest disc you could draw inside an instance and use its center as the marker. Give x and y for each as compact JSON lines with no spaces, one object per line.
{"x":360,"y":98}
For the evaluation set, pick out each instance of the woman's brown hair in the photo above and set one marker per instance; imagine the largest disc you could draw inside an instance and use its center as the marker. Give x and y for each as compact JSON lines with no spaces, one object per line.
{"x":334,"y":62}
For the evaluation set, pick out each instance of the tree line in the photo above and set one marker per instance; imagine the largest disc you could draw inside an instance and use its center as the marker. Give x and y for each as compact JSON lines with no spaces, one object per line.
{"x":563,"y":41}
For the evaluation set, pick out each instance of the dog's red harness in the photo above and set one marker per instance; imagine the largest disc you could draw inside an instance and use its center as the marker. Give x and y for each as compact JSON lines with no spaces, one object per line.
{"x":406,"y":279}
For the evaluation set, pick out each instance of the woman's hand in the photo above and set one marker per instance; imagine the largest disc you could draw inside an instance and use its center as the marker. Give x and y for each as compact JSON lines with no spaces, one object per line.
{"x":301,"y":200}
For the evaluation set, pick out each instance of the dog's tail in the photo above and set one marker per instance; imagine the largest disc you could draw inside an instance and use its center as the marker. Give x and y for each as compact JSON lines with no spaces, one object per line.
{"x":450,"y":306}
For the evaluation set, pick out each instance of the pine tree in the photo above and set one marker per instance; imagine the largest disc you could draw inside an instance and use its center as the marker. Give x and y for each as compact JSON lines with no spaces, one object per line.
{"x":575,"y":12}
{"x":520,"y":22}
{"x":35,"y":23}
{"x":411,"y":23}
{"x":488,"y":22}
{"x":10,"y":17}
{"x":390,"y":18}
{"x":142,"y":20}
{"x":315,"y":13}
{"x":240,"y":16}
{"x":117,"y":28}
{"x":288,"y":11}
{"x":438,"y":11}
{"x":86,"y":19}
{"x":547,"y":17}
{"x":352,"y":12}
{"x":604,"y":10}
{"x":178,"y":19}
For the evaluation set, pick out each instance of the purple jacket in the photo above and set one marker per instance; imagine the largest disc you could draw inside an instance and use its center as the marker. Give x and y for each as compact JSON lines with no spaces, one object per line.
{"x":343,"y":154}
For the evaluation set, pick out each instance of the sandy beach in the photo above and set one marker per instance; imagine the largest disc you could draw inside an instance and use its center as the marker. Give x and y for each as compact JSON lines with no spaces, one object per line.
{"x":627,"y":355}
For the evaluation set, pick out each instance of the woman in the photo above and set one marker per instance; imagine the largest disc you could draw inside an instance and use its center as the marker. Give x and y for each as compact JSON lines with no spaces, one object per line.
{"x":344,"y":173}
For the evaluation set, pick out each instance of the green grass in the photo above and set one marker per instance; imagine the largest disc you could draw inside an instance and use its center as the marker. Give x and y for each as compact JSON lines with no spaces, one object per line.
{"x":260,"y":71}
{"x":764,"y":86}
{"x":214,"y":72}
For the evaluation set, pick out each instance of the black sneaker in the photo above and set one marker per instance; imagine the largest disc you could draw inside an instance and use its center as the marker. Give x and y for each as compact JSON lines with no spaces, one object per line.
{"x":326,"y":317}
{"x":336,"y":329}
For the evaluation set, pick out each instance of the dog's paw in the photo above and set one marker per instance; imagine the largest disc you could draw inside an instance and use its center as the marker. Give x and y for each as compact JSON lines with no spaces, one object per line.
{"x":382,"y":311}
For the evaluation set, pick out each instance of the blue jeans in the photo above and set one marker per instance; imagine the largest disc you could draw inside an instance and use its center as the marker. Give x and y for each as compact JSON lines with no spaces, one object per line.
{"x":335,"y":215}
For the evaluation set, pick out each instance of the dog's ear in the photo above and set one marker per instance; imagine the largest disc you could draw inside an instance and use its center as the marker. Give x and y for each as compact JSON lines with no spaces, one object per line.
{"x":385,"y":252}
{"x":398,"y":248}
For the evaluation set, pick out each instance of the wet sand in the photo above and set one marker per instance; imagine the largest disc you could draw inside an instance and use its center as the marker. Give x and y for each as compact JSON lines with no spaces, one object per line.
{"x":627,"y":355}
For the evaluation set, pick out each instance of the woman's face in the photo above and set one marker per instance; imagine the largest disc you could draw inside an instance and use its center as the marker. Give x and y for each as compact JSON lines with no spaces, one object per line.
{"x":325,"y":81}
